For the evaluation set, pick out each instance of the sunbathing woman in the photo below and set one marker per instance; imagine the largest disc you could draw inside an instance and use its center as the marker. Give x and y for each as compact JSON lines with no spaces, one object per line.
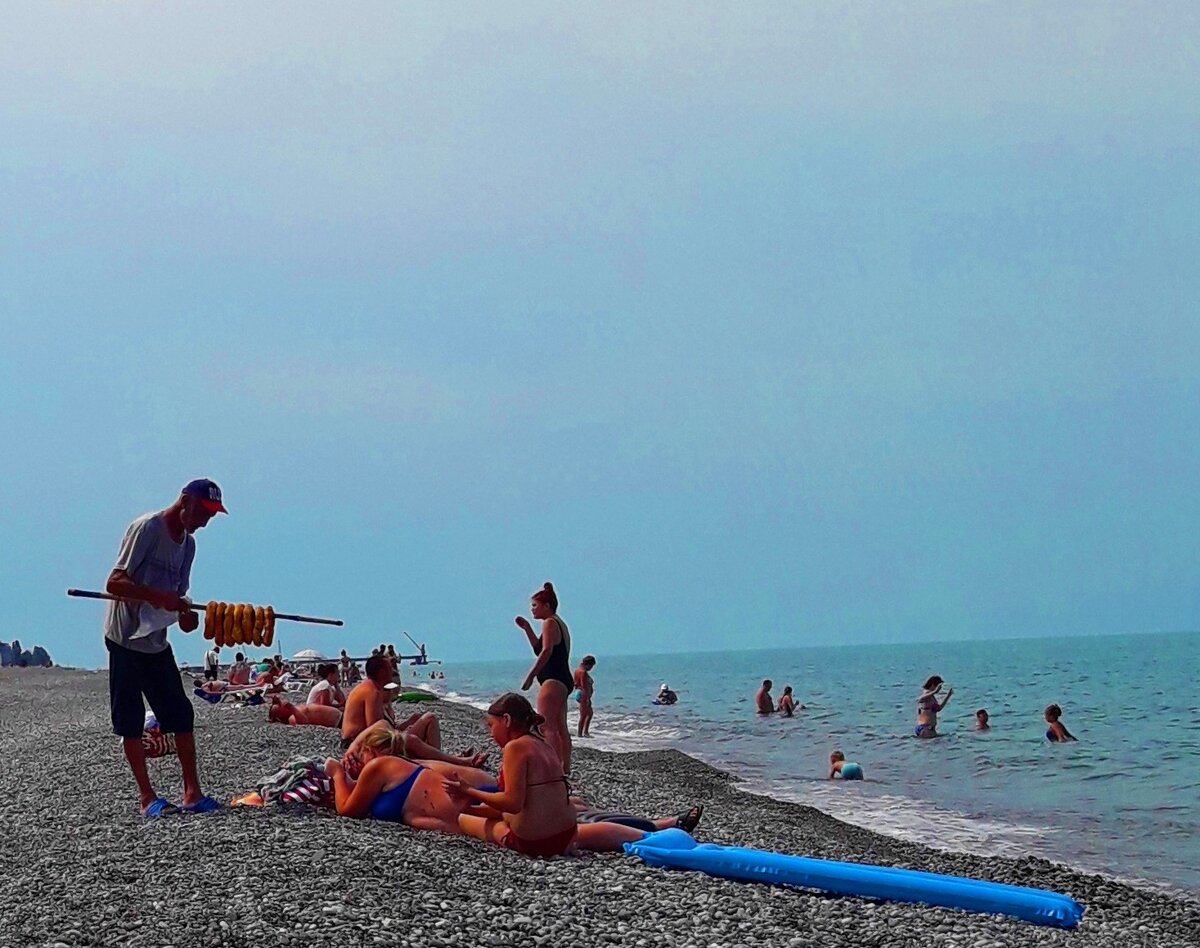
{"x":394,"y":789}
{"x":531,"y":812}
{"x":321,"y":715}
{"x":468,"y":771}
{"x":420,"y":738}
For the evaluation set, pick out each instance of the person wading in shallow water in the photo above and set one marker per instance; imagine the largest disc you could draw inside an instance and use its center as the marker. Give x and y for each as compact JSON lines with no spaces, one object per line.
{"x":154,"y":567}
{"x":585,"y":687}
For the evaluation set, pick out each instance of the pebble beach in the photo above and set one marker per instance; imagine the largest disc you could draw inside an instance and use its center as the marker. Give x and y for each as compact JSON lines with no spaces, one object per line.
{"x":81,"y":867}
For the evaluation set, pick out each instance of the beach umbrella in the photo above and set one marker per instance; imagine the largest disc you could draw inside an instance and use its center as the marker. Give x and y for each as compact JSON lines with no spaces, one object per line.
{"x":309,"y":653}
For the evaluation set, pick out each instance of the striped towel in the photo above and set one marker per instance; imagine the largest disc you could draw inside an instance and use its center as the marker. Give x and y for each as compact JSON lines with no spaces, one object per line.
{"x":299,"y":780}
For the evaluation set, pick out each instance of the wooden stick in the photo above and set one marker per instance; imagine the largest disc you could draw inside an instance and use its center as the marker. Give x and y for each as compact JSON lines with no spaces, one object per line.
{"x":291,"y":617}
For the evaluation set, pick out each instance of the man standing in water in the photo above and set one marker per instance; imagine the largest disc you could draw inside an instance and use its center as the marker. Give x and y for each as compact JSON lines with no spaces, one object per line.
{"x":154,"y":567}
{"x":763,"y":702}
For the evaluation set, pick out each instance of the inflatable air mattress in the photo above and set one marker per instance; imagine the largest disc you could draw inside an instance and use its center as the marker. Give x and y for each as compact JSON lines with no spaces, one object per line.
{"x":675,"y":849}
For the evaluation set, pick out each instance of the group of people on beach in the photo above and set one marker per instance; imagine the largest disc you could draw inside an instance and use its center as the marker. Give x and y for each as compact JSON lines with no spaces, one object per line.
{"x":397,"y":771}
{"x":389,"y":769}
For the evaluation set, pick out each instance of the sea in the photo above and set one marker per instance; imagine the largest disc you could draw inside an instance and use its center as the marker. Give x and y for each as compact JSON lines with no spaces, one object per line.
{"x":1123,"y":801}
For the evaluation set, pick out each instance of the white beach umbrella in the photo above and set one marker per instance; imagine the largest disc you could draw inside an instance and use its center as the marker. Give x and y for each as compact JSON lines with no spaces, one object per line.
{"x":309,"y":653}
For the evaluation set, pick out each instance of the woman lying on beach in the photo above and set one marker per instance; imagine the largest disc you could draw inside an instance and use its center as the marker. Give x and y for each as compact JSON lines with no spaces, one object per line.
{"x":531,"y":811}
{"x":419,"y":738}
{"x":319,"y":715}
{"x":394,"y":789}
{"x":928,"y":707}
{"x":1057,"y":731}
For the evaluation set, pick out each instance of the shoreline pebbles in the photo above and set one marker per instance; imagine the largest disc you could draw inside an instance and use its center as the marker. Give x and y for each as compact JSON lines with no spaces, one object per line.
{"x":81,"y":867}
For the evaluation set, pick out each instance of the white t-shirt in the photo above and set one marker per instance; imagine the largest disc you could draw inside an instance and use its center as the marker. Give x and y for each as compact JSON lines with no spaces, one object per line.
{"x":322,"y":685}
{"x":211,"y":660}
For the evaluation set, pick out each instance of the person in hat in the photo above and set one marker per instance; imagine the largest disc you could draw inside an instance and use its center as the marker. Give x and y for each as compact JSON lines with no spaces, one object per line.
{"x":151,"y":576}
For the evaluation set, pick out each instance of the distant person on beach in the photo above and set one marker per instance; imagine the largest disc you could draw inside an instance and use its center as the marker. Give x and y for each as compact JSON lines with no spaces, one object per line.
{"x":762,"y":701}
{"x":326,"y":690}
{"x":928,"y":707}
{"x":369,"y":701}
{"x":318,"y":715}
{"x":531,"y":810}
{"x":212,"y":663}
{"x":1057,"y":731}
{"x":787,"y":704}
{"x":239,"y":671}
{"x":552,"y":669}
{"x":154,"y":567}
{"x":981,"y":720}
{"x":585,"y":687}
{"x":344,"y":669}
{"x":846,"y":769}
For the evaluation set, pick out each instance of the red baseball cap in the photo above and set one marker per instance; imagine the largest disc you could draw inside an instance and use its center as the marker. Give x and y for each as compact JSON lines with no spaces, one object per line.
{"x":208,"y":492}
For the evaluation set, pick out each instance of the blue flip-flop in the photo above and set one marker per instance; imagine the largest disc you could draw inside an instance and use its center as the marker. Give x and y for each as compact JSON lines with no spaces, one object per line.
{"x":203,"y":805}
{"x":160,"y":807}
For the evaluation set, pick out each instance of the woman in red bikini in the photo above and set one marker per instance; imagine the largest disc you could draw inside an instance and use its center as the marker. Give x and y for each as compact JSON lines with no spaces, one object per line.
{"x":531,"y":813}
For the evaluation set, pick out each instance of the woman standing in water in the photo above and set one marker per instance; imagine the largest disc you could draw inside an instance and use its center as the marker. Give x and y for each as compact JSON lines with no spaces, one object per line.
{"x":552,"y":669}
{"x":928,"y":707}
{"x":584,"y":689}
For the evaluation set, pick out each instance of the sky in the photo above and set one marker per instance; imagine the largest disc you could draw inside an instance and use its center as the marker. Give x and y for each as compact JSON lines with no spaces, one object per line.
{"x":747,"y":325}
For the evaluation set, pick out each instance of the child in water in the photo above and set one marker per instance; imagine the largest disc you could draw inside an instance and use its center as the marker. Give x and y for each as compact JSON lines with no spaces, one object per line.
{"x":981,"y":720}
{"x":1057,"y":731}
{"x":846,"y":769}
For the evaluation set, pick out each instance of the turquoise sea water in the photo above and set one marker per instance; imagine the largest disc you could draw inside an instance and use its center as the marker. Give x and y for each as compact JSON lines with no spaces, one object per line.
{"x":1123,"y":800}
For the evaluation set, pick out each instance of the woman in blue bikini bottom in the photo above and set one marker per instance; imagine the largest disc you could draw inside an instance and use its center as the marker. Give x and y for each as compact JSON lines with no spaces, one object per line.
{"x":394,"y":789}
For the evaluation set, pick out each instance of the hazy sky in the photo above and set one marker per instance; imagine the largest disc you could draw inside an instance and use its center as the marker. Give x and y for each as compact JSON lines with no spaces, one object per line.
{"x":747,"y":325}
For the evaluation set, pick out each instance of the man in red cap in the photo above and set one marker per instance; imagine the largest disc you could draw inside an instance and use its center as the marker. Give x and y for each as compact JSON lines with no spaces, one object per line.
{"x":154,"y":569}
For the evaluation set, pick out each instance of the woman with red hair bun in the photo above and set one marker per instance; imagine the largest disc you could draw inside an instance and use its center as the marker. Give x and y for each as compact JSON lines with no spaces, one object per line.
{"x":552,"y":669}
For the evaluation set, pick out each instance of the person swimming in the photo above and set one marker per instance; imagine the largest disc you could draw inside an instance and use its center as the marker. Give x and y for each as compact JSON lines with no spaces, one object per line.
{"x":846,"y":769}
{"x":928,"y":707}
{"x":981,"y":720}
{"x":1057,"y":731}
{"x":666,"y":695}
{"x":787,"y":704}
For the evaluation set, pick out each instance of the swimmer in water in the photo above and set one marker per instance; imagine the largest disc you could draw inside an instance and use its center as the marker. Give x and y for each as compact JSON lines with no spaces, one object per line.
{"x":762,"y":701}
{"x":1057,"y":731}
{"x":846,"y":769}
{"x":981,"y":720}
{"x":787,"y":704}
{"x":928,"y":707}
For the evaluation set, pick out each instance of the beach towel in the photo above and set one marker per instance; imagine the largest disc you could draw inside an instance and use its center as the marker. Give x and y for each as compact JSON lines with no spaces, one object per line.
{"x":299,"y":780}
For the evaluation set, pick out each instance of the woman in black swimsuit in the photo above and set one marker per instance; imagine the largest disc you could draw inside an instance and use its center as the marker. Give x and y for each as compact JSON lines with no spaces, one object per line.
{"x":552,"y":669}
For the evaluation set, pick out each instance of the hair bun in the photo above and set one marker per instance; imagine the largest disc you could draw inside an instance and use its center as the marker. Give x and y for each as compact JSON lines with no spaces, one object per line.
{"x":548,"y":586}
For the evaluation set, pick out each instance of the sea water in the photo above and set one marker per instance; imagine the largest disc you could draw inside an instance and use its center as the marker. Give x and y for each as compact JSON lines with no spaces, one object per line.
{"x":1123,"y":800}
